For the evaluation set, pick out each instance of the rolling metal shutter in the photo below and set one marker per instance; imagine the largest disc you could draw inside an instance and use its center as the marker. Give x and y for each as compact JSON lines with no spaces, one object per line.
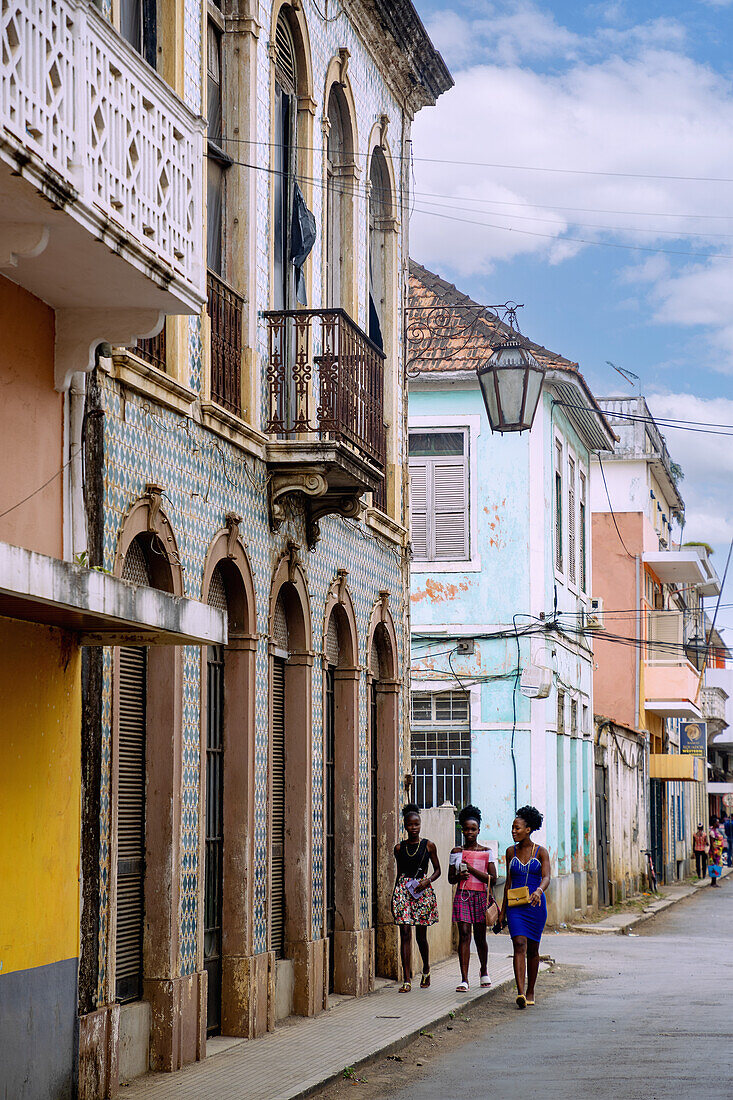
{"x":277,"y":811}
{"x":130,"y":824}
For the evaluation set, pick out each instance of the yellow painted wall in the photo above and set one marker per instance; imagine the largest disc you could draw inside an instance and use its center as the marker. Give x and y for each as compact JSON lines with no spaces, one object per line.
{"x":40,"y":780}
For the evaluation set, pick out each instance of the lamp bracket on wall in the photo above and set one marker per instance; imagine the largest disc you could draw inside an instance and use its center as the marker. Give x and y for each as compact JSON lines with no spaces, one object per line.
{"x":429,"y":328}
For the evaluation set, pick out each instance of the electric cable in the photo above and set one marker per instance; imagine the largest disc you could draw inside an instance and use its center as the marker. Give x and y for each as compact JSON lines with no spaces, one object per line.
{"x":613,"y":514}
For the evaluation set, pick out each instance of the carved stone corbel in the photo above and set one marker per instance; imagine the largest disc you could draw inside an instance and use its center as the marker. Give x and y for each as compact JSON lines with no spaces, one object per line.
{"x":154,"y":493}
{"x":383,"y":604}
{"x":232,"y":521}
{"x":341,"y":579}
{"x":349,"y":505}
{"x":344,"y":56}
{"x":383,"y":127}
{"x":311,"y":485}
{"x":293,"y":560}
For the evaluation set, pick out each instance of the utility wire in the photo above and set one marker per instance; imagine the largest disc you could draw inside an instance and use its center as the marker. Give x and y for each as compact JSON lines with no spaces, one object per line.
{"x":613,"y":514}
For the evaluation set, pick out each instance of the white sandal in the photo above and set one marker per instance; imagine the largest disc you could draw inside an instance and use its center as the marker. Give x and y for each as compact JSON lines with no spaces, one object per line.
{"x":462,"y":987}
{"x":485,"y":980}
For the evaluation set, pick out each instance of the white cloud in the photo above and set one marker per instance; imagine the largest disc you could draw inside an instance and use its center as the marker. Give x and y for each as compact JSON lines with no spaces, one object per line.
{"x":636,"y":111}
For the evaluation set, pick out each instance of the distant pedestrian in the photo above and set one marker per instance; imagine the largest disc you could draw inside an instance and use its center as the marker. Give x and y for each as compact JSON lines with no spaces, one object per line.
{"x":728,"y":827}
{"x":413,"y":900}
{"x":717,"y":845}
{"x":701,"y":844}
{"x":474,"y":870}
{"x":524,"y":907}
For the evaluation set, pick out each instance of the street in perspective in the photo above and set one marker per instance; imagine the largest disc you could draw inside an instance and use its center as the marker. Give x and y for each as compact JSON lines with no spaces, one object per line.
{"x":366,"y":549}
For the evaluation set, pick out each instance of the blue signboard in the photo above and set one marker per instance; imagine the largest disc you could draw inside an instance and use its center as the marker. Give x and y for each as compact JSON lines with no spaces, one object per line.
{"x":694,"y":738}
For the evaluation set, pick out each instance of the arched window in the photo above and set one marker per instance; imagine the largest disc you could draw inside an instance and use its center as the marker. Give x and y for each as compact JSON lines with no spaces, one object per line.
{"x":284,"y":161}
{"x":380,"y":210}
{"x":335,"y":163}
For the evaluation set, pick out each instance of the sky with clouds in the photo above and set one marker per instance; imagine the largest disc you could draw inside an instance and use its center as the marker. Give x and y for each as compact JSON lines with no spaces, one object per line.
{"x":583,"y":165}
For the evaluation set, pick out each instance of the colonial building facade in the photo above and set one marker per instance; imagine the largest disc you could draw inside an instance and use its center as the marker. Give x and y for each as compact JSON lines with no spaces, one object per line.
{"x":502,"y":685}
{"x":240,"y":799}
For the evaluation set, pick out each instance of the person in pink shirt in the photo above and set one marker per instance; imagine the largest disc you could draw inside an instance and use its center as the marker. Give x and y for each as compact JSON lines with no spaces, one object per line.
{"x":474,"y":871}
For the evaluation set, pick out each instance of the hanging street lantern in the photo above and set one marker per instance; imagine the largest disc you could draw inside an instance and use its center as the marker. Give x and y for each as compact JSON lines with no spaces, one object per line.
{"x":511,"y":383}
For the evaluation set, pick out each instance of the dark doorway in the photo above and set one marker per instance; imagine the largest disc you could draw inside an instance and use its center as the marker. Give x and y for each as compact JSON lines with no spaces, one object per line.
{"x":373,"y":798}
{"x":213,"y":894}
{"x":656,"y":826}
{"x":329,"y":778}
{"x":604,"y":897}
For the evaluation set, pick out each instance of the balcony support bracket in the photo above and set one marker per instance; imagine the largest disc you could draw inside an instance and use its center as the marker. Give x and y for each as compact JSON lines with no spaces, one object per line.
{"x":79,"y":331}
{"x":21,"y":240}
{"x":309,"y":484}
{"x":348,"y":505}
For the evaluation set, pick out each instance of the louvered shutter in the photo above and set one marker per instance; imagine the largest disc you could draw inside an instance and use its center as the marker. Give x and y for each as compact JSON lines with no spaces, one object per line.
{"x":450,"y":512}
{"x":571,"y":521}
{"x":419,"y":509}
{"x":130,"y":824}
{"x":277,"y":811}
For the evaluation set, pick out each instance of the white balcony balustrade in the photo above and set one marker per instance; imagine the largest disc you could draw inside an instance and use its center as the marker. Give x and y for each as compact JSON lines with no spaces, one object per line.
{"x":101,"y":169}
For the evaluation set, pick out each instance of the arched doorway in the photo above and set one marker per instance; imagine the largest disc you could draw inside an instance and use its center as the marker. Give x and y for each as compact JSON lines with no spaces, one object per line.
{"x":146,"y":814}
{"x":384,"y":767}
{"x":347,"y":970}
{"x":227,"y":782}
{"x":299,"y":962}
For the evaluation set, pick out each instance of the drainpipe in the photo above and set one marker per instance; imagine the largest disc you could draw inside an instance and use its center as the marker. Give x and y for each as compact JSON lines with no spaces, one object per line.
{"x":77,"y":542}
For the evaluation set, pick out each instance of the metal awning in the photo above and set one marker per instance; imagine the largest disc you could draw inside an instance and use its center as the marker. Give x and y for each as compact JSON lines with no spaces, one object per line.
{"x":684,"y":567}
{"x":720,"y":788}
{"x":676,"y":767}
{"x":101,"y":609}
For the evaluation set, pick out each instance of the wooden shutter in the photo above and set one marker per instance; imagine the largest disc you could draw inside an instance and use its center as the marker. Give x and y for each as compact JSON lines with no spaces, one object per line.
{"x":277,"y":810}
{"x":130,"y":824}
{"x":419,"y":509}
{"x":450,"y":511}
{"x":571,"y":521}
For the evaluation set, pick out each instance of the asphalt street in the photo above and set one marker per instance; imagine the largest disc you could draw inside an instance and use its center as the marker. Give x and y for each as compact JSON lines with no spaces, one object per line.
{"x":650,"y":1017}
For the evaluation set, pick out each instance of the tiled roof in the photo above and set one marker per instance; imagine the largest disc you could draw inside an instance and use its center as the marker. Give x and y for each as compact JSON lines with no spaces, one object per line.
{"x":458,"y":332}
{"x":448,"y":331}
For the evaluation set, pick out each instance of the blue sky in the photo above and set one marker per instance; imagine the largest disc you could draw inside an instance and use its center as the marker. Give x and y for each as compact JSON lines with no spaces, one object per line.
{"x":629,"y":94}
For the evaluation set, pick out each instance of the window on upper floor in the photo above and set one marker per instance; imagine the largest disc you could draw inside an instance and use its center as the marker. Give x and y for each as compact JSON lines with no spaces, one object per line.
{"x":439,"y":520}
{"x":336,"y":199}
{"x":574,"y":717}
{"x":380,"y":211}
{"x":583,"y":541}
{"x":284,"y":156}
{"x":218,"y":162}
{"x":572,"y":548}
{"x":139,"y":27}
{"x":561,"y":712}
{"x":558,"y":506}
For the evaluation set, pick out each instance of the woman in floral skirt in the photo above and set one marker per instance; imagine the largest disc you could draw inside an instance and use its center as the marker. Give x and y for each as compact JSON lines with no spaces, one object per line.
{"x":413,"y":901}
{"x":717,"y":844}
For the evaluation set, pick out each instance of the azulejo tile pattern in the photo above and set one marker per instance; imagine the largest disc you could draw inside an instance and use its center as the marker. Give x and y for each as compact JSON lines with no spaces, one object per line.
{"x":204,"y":477}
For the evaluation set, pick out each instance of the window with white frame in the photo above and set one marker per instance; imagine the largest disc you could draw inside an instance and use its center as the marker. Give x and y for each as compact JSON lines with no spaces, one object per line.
{"x":582,"y":520}
{"x":441,"y":748}
{"x":558,"y":506}
{"x":572,"y":571}
{"x":439,"y":520}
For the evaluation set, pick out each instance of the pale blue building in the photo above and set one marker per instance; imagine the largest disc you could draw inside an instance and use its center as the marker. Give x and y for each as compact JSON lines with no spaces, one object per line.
{"x":500,"y":592}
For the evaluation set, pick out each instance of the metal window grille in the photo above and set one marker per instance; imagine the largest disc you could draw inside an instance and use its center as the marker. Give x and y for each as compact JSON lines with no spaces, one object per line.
{"x":153,"y":351}
{"x":225,"y":312}
{"x":441,"y":748}
{"x":277,"y":810}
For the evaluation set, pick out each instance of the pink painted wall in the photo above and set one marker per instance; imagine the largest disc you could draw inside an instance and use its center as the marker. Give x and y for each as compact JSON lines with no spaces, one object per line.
{"x":614,"y":580}
{"x":31,"y":424}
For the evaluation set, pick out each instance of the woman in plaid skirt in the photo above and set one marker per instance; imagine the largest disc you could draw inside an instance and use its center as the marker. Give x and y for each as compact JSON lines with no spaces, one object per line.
{"x":413,"y":900}
{"x":474,"y":871}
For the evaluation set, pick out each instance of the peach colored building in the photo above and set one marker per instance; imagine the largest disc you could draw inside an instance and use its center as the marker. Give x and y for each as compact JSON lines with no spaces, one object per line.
{"x":649,"y":595}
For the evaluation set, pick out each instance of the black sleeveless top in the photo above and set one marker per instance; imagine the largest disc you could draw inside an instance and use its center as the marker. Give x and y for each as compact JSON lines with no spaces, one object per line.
{"x":414,"y":865}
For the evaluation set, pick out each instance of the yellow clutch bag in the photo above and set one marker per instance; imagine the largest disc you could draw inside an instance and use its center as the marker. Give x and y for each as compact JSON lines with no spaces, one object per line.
{"x":518,"y":896}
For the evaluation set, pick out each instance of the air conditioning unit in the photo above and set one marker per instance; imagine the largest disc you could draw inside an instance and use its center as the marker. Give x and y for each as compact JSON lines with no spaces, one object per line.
{"x":536,"y":682}
{"x":594,"y":615}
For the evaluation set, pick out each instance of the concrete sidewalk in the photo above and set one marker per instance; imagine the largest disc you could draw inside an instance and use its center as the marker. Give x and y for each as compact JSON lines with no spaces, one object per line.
{"x":302,"y":1054}
{"x":622,"y":923}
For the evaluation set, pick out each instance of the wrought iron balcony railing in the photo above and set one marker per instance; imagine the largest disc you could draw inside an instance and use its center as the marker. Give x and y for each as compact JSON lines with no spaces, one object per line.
{"x":326,"y":379}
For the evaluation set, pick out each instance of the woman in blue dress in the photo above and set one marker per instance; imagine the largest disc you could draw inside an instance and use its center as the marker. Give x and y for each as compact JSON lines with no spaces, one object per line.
{"x":527,"y":864}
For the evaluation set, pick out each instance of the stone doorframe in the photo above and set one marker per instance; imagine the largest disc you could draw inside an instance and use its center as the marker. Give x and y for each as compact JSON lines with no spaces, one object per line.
{"x":351,"y":942}
{"x":246,"y":977}
{"x":309,"y":956}
{"x":388,"y":685}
